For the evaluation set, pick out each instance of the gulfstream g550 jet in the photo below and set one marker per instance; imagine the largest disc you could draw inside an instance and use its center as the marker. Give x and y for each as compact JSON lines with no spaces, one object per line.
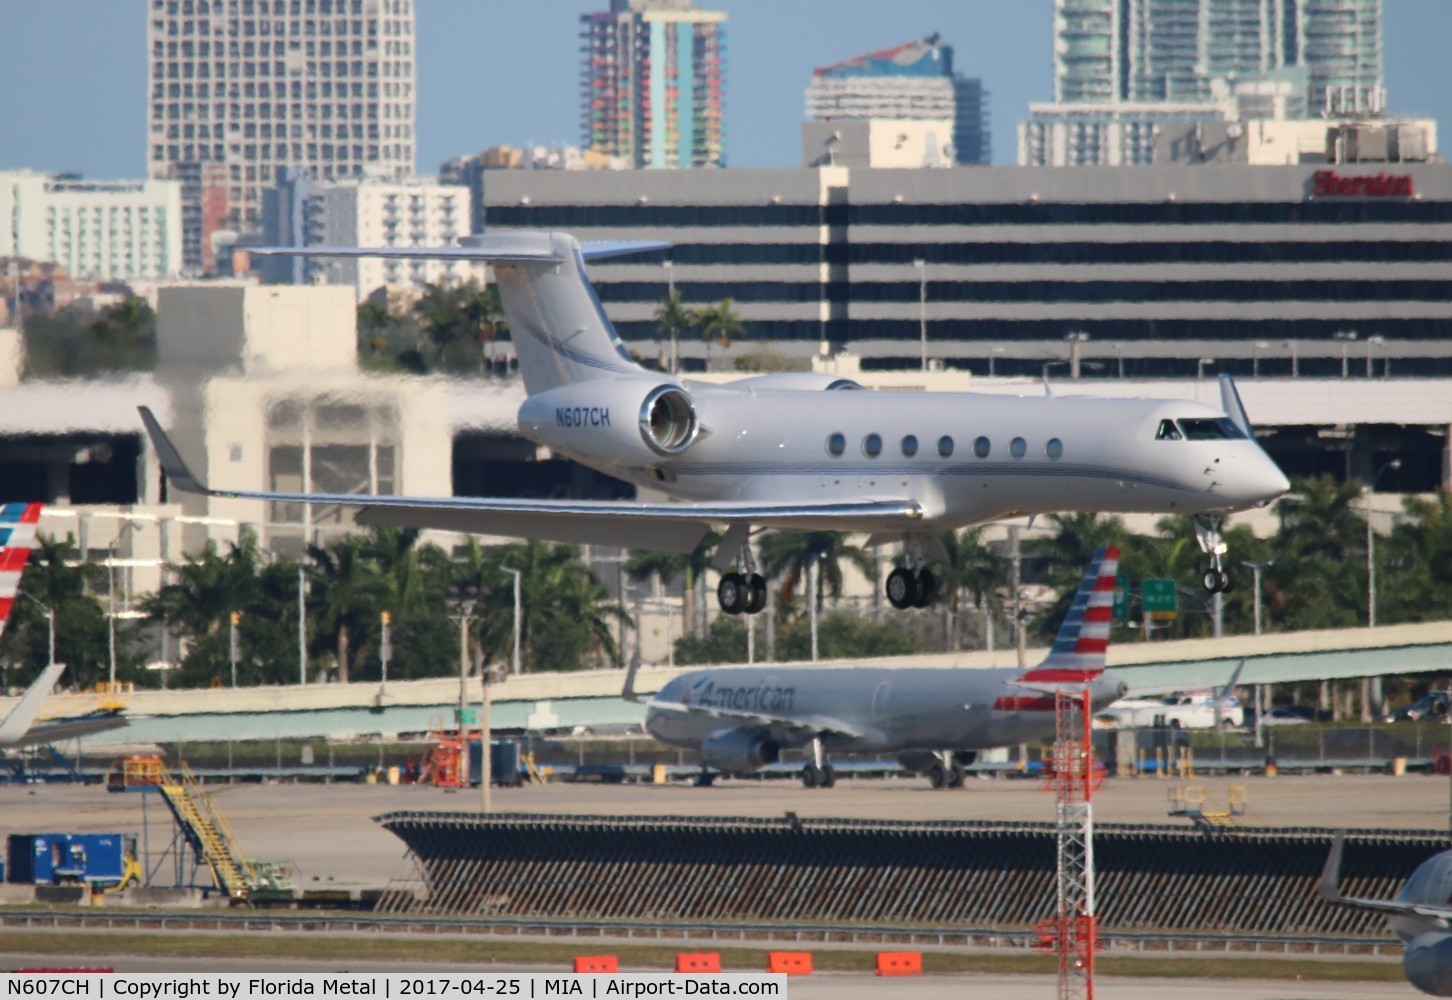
{"x":799,"y":450}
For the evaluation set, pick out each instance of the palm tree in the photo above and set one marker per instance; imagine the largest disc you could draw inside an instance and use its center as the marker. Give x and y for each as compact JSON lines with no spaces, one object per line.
{"x":1420,"y":551}
{"x":54,"y":577}
{"x":349,"y":589}
{"x":789,"y":554}
{"x":458,"y":320}
{"x":1322,"y":538}
{"x":565,"y":611}
{"x":1066,"y":553}
{"x":972,"y":568}
{"x":671,"y":317}
{"x":718,"y":323}
{"x":666,"y":566}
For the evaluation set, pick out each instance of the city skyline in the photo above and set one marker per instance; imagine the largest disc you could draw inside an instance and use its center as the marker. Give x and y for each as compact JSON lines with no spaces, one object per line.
{"x":92,"y":119}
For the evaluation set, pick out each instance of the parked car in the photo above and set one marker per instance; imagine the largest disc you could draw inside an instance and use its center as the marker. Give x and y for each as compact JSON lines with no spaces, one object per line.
{"x":1432,"y":707}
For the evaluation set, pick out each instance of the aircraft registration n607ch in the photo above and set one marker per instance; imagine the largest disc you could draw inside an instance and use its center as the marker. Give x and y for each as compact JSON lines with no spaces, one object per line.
{"x":800,"y":451}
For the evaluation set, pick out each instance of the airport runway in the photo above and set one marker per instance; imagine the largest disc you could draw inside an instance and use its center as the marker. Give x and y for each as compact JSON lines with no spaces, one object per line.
{"x":327,"y":831}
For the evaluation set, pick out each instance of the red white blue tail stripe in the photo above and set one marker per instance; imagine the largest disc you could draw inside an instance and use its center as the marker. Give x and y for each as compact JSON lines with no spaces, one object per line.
{"x":17,"y":535}
{"x":1078,"y":652}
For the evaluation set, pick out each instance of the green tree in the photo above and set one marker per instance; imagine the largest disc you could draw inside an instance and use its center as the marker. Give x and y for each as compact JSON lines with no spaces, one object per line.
{"x":973,"y":569}
{"x":389,"y":343}
{"x":689,"y":568}
{"x":349,"y":590}
{"x":1065,"y":554}
{"x":54,"y":577}
{"x":1414,"y":574}
{"x":718,"y":324}
{"x":788,"y":554}
{"x":1319,"y":576}
{"x":458,"y":321}
{"x":672,"y":318}
{"x":412,"y":585}
{"x":566,"y":615}
{"x":75,"y":342}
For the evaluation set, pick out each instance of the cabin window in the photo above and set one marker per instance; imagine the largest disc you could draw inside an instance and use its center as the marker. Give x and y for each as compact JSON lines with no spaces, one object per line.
{"x":836,"y":445}
{"x":1054,"y":449}
{"x":1212,"y":429}
{"x":872,"y":445}
{"x":1168,"y":431}
{"x":910,"y":445}
{"x":945,"y":446}
{"x":982,"y":446}
{"x":1018,"y":447}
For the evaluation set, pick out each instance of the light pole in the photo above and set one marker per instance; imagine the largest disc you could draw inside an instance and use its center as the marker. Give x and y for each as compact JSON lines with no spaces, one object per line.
{"x":462,"y":599}
{"x":1076,"y":342}
{"x":1255,"y":569}
{"x":385,"y":650}
{"x":1375,"y":340}
{"x":1200,"y":367}
{"x":517,"y":620}
{"x":302,"y":623}
{"x":670,"y":304}
{"x":49,"y":621}
{"x":1370,"y":487}
{"x":1255,"y":350}
{"x":814,"y":575}
{"x":1346,"y":337}
{"x":234,"y":645}
{"x":922,"y":267}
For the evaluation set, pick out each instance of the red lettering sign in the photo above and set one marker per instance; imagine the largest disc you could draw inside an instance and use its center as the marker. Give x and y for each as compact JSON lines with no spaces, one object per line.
{"x":1330,"y":184}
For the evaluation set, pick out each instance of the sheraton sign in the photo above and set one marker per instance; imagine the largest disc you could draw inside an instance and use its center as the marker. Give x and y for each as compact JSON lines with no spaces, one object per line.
{"x":1330,"y":184}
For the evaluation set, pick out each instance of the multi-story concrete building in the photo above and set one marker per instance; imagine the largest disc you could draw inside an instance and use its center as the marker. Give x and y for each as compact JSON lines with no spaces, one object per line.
{"x":1259,"y":268}
{"x":96,"y":230}
{"x":240,"y":88}
{"x":653,"y":83}
{"x":366,"y":212}
{"x":1123,"y":67}
{"x":912,"y":82}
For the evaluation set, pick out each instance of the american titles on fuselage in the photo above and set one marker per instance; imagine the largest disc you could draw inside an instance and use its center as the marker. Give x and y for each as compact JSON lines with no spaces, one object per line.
{"x":763,"y":697}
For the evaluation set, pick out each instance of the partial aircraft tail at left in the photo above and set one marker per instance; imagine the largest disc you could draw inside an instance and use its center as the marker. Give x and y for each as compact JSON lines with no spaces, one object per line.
{"x":1083,"y":640}
{"x":17,"y":534}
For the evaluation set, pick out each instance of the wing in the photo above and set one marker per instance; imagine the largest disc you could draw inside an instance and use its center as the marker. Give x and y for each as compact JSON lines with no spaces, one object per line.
{"x":1329,"y":890}
{"x":1222,"y":696}
{"x":668,"y":527}
{"x":60,"y":730}
{"x":801,"y":727}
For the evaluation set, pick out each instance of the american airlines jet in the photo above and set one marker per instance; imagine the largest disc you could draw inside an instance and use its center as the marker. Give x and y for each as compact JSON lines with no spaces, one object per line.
{"x":800,"y":451}
{"x":934,"y":720}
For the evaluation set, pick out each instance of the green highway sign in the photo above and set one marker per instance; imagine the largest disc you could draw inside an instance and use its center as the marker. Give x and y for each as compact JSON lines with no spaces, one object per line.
{"x":1159,"y":598}
{"x":1121,"y":599}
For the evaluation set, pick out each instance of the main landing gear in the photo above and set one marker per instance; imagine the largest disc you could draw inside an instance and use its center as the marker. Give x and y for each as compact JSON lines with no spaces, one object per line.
{"x":741,"y":593}
{"x":911,"y":585}
{"x":817,"y":774}
{"x":1217,"y":578}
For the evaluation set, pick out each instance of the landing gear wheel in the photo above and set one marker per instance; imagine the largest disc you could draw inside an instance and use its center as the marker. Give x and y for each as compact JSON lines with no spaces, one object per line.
{"x":902,"y":589}
{"x":1213,"y":580}
{"x":937,"y":777}
{"x":732,"y":594}
{"x":927,"y":589}
{"x":828,"y":776}
{"x":705,"y":779}
{"x":1229,"y":583}
{"x":811,"y":776}
{"x":955,"y":776}
{"x":756,"y":598}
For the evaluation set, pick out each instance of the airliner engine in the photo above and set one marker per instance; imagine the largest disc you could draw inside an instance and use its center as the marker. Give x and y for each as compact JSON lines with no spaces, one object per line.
{"x":1428,"y":963}
{"x":736,"y":750}
{"x":628,"y":422}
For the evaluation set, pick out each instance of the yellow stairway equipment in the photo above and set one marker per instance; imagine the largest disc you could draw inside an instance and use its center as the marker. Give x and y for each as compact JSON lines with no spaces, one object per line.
{"x":208,"y":833}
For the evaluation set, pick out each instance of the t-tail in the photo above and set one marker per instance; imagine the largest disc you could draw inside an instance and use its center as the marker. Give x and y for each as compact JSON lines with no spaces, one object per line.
{"x":17,"y":534}
{"x":558,"y":325}
{"x":1079,"y":650}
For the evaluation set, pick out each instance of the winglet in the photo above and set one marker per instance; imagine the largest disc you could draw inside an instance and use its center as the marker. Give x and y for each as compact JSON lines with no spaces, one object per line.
{"x":15,"y":725}
{"x":172,"y":465}
{"x":1328,"y":888}
{"x":1231,"y":404}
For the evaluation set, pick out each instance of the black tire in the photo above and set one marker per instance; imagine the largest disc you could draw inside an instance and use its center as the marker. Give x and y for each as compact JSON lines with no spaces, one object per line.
{"x":927,"y":590}
{"x":731,"y":594}
{"x":902,"y":589}
{"x":937,"y":777}
{"x":829,"y":776}
{"x":1229,"y":583}
{"x":756,"y":597}
{"x":955,"y":777}
{"x":1211,"y":580}
{"x":811,"y":777}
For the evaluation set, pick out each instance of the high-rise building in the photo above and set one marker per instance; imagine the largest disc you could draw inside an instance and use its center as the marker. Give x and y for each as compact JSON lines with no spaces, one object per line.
{"x":240,"y":88}
{"x":1121,"y":67}
{"x":366,"y":212}
{"x":654,"y":83}
{"x":910,"y":82}
{"x":96,"y":230}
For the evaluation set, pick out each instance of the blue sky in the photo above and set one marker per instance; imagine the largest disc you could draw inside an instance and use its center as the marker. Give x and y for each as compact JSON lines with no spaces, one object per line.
{"x":73,"y":72}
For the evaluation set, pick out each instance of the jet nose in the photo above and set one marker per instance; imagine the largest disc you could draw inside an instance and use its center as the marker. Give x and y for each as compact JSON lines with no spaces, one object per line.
{"x":1270,"y":481}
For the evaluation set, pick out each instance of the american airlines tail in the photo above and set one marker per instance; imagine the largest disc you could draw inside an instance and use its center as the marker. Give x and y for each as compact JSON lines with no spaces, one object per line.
{"x":17,"y":534}
{"x":1079,"y":649}
{"x":545,"y":292}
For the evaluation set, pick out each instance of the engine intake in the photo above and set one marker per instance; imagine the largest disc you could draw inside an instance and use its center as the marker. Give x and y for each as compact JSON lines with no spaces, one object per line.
{"x":737,"y":750}
{"x":668,"y":420}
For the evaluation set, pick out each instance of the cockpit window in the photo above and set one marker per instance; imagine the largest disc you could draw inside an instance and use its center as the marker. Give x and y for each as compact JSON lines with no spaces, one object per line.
{"x":1168,"y":431}
{"x":1214,"y":429}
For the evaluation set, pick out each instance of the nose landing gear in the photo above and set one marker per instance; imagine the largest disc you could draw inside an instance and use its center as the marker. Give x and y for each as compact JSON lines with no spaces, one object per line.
{"x":1217,"y":578}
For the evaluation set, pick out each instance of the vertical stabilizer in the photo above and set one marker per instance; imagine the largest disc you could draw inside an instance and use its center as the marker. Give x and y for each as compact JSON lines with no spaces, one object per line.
{"x":17,"y":534}
{"x":1084,"y":635}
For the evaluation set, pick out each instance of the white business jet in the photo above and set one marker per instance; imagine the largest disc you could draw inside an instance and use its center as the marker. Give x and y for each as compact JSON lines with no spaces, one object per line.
{"x":799,"y":451}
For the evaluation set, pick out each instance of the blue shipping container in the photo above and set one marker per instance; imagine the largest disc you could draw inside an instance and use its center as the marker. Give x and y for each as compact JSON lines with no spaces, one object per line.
{"x":68,"y":858}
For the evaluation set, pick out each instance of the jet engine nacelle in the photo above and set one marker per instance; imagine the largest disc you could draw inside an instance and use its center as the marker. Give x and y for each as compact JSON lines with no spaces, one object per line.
{"x":628,"y":422}
{"x":1427,"y":960}
{"x":738,"y":750}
